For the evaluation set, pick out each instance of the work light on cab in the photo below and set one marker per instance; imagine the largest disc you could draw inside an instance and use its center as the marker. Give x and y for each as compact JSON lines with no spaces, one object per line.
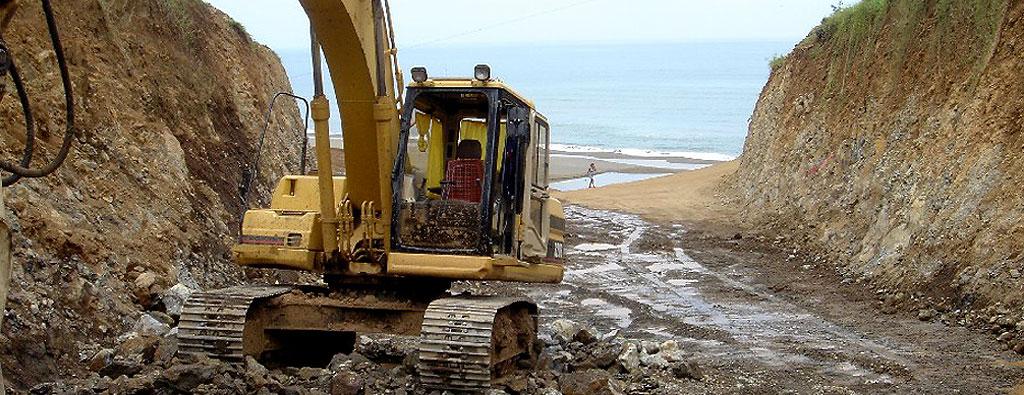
{"x":482,"y":72}
{"x":419,"y":74}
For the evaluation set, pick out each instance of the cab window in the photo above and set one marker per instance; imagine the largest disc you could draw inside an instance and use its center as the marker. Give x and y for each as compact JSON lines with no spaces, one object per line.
{"x":541,"y":157}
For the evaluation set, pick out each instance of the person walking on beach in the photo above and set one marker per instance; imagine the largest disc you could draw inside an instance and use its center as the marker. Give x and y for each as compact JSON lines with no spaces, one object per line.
{"x":591,"y":173}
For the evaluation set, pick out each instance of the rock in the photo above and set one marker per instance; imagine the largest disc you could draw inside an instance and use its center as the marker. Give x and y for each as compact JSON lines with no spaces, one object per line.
{"x":254,"y":369}
{"x":589,"y":382}
{"x":346,"y":361}
{"x":670,"y":351}
{"x":187,"y":377}
{"x":308,"y":373}
{"x":516,"y":384}
{"x":653,"y":361}
{"x":147,"y":325}
{"x":142,"y":347}
{"x":162,"y":317}
{"x":174,"y":299}
{"x":629,"y":359}
{"x":585,"y":336}
{"x":386,"y":350}
{"x":1019,"y":347}
{"x":122,"y":366}
{"x":145,"y":288}
{"x":927,"y":314}
{"x":548,"y":391}
{"x":347,"y":383}
{"x":101,"y":359}
{"x":564,"y":330}
{"x":650,"y":347}
{"x":687,"y":370}
{"x":1005,"y":337}
{"x":610,"y":335}
{"x":600,"y":356}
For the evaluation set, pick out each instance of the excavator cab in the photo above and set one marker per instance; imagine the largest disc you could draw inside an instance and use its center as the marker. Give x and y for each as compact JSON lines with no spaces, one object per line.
{"x":471,"y":175}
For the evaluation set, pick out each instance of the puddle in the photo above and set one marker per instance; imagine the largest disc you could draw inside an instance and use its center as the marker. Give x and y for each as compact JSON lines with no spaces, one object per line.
{"x":594,"y":247}
{"x":672,"y":288}
{"x":621,"y":315}
{"x":603,"y":180}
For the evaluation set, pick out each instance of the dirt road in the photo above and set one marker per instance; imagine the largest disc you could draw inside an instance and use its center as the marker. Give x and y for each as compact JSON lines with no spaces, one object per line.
{"x":758,"y":319}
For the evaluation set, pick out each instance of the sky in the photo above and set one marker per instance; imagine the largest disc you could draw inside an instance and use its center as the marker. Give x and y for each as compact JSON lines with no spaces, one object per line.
{"x":282,"y":25}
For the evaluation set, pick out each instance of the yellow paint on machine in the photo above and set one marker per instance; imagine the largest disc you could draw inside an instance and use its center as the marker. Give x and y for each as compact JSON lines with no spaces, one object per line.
{"x":457,"y":267}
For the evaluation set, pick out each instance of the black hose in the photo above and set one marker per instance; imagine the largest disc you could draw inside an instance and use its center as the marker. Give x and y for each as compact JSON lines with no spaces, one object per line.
{"x":250,"y":178}
{"x":69,"y":102}
{"x":26,"y":109}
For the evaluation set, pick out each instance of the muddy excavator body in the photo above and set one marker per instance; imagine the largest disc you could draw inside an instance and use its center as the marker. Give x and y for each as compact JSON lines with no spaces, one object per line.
{"x":449,"y":184}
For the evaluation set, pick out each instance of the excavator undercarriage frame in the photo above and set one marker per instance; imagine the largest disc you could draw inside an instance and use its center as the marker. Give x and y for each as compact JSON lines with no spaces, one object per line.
{"x":466,"y":342}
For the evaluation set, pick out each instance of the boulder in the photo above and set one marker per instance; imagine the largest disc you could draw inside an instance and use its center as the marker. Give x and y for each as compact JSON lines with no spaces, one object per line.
{"x":589,"y":382}
{"x":687,"y":371}
{"x":670,"y":351}
{"x":346,"y":361}
{"x":122,"y":366}
{"x":655,"y":361}
{"x":629,"y":359}
{"x":101,"y":359}
{"x":142,"y":347}
{"x":174,"y":299}
{"x":650,"y":347}
{"x":187,"y":377}
{"x":564,"y":330}
{"x":346,"y":382}
{"x":147,"y":325}
{"x":145,"y":288}
{"x":585,"y":336}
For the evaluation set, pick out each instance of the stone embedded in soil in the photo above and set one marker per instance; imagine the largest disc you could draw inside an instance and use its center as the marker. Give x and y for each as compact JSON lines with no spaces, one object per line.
{"x":629,"y":359}
{"x":148,"y":325}
{"x":347,"y":383}
{"x":174,"y":299}
{"x":589,"y":382}
{"x":564,"y":330}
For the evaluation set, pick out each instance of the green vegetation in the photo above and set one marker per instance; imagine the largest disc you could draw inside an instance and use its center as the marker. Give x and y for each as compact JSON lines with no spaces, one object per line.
{"x":855,"y":23}
{"x":181,"y":15}
{"x":777,"y":61}
{"x":853,"y":31}
{"x":241,"y":30}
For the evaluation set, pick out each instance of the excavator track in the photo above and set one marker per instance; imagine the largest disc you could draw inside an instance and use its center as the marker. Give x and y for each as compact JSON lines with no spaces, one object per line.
{"x":213,"y":323}
{"x":468,"y":342}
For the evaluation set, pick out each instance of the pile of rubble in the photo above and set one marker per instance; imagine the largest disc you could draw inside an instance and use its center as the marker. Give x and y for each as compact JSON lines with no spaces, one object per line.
{"x":573,"y":360}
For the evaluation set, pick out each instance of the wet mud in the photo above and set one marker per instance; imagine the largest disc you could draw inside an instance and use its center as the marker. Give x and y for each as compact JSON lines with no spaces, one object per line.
{"x":758,"y":319}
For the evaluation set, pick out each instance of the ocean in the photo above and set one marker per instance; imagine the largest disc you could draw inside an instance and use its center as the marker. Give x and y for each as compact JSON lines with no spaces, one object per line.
{"x":689,"y":100}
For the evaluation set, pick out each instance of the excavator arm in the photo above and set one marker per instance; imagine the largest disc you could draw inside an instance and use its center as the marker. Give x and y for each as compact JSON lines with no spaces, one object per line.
{"x":337,"y":216}
{"x":358,"y":47}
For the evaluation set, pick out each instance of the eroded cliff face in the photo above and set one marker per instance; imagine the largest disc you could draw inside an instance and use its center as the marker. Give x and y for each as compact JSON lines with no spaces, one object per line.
{"x":890,"y":142}
{"x":171,"y":96}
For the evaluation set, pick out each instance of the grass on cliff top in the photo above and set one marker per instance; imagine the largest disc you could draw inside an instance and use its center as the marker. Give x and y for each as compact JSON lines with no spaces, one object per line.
{"x":854,"y":28}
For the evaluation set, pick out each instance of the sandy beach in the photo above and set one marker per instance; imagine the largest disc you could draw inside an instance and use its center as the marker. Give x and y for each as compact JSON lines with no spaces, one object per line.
{"x":689,"y":195}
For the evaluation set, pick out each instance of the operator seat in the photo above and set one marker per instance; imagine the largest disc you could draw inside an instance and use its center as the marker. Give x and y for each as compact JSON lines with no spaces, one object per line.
{"x":465,"y":174}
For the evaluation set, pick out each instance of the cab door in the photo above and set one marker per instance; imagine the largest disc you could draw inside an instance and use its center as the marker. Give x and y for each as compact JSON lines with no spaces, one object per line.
{"x":535,"y":243}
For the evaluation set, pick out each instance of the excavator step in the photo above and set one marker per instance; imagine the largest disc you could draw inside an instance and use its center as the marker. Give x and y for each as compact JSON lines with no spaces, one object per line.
{"x":457,"y":342}
{"x":216,"y":321}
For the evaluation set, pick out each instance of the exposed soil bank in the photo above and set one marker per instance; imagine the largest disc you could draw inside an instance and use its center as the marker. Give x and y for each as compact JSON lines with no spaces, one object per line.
{"x":890,"y":141}
{"x":171,"y":95}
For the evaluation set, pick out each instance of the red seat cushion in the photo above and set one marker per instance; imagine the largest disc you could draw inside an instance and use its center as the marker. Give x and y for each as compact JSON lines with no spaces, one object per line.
{"x":465,"y":179}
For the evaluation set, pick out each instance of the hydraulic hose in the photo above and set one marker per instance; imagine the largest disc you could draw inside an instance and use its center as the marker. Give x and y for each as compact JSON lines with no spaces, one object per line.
{"x":26,"y":109}
{"x":22,"y":169}
{"x":249,"y":178}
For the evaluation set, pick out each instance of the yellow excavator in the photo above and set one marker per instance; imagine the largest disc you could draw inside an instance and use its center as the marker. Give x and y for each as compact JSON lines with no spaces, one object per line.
{"x":446,"y":183}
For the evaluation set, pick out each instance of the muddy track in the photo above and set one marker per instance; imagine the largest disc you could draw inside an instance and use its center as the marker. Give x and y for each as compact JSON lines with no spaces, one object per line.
{"x":759,"y":320}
